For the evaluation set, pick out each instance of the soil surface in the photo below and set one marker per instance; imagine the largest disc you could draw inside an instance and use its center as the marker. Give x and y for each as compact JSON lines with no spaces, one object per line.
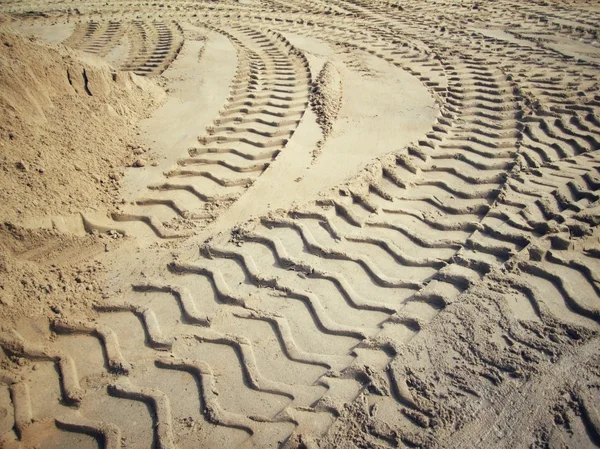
{"x":310,"y":224}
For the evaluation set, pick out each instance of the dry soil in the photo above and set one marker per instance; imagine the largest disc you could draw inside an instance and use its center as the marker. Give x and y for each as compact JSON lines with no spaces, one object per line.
{"x":309,"y":224}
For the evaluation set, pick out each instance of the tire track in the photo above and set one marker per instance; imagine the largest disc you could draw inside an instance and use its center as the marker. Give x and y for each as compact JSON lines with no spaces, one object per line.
{"x":269,"y":95}
{"x":268,"y":98}
{"x":153,"y":46}
{"x":128,"y":374}
{"x":495,"y":192}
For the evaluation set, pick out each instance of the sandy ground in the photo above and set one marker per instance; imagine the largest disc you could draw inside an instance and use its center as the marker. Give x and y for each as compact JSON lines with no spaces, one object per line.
{"x":268,"y":224}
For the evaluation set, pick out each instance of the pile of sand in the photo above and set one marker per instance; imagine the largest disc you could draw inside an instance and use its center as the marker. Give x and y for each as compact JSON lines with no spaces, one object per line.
{"x":66,"y":128}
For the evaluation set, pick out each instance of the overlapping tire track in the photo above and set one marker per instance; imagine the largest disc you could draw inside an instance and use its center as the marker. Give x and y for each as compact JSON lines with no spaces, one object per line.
{"x":568,"y":138}
{"x":495,"y":190}
{"x":152,"y":45}
{"x":543,"y":200}
{"x":492,"y":242}
{"x":267,"y":102}
{"x":268,"y":98}
{"x":351,"y":250}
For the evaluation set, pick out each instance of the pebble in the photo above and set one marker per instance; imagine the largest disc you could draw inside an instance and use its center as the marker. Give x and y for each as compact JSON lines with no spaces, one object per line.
{"x":140,"y":163}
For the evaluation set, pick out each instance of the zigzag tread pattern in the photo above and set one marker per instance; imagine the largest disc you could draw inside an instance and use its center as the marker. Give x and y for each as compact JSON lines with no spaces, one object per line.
{"x":300,"y":300}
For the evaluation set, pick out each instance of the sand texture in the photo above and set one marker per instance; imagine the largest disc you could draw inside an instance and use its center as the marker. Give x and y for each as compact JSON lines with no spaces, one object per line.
{"x":299,"y":225}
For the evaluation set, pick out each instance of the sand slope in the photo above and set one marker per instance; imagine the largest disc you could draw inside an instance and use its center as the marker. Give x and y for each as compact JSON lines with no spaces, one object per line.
{"x":66,"y":129}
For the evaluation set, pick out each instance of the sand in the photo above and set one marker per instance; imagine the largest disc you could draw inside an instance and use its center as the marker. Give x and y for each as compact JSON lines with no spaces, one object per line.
{"x":67,"y":131}
{"x":299,"y":225}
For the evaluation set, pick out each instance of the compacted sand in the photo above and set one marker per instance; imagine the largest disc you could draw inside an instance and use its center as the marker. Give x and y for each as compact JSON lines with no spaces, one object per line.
{"x":308,"y":224}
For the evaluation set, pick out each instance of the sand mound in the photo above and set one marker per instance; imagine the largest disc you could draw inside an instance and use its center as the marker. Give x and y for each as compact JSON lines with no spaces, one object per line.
{"x":65,"y":124}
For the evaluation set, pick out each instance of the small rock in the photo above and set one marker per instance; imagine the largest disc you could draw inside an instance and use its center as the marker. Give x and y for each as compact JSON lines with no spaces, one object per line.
{"x":55,"y":309}
{"x":140,"y":163}
{"x":21,"y":165}
{"x":41,"y":171}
